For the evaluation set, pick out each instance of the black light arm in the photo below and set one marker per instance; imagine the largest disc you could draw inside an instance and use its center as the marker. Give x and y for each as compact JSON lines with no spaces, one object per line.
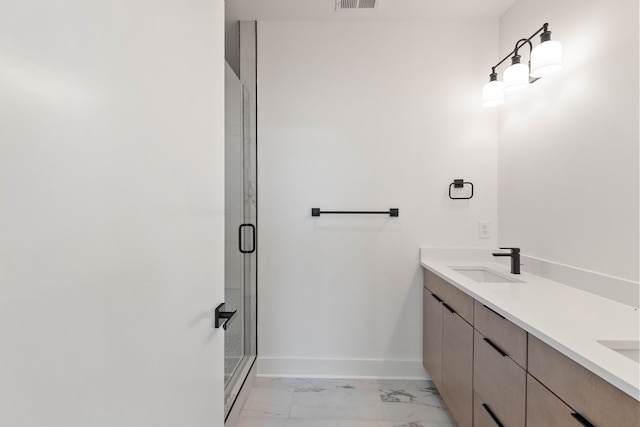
{"x":544,"y":28}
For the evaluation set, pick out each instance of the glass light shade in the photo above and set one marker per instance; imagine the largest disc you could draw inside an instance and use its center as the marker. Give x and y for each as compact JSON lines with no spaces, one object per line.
{"x":516,"y":77}
{"x":546,"y":59}
{"x":493,"y":94}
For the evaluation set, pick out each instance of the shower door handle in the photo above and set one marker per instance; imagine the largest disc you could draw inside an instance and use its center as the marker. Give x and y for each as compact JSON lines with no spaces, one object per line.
{"x":253,"y":238}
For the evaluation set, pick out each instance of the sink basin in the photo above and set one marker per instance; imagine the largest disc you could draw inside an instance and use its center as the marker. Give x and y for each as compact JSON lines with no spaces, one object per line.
{"x":630,"y":349}
{"x":485,"y":275}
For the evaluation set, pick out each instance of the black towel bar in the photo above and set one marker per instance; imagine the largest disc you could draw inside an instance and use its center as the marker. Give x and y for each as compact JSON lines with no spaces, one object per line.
{"x":391,"y":212}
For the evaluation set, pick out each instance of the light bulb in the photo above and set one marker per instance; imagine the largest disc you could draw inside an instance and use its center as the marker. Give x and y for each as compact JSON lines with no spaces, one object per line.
{"x":516,"y":77}
{"x":493,"y":93}
{"x":546,"y":58}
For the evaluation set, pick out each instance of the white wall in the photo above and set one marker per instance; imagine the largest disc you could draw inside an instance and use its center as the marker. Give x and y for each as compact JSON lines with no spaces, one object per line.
{"x":111,"y":212}
{"x":568,"y":146}
{"x":364,"y":116}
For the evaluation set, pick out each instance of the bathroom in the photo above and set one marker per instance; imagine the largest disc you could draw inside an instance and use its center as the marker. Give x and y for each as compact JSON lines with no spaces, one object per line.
{"x":354,"y":113}
{"x":549,"y":167}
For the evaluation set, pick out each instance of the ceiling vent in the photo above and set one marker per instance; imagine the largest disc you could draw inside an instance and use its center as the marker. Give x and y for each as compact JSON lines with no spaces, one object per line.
{"x":356,"y":4}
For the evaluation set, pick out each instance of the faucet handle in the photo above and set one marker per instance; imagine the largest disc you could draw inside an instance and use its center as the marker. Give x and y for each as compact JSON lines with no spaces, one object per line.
{"x":513,"y":250}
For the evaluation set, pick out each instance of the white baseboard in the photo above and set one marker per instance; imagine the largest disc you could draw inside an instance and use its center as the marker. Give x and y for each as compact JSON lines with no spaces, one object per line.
{"x":341,"y":368}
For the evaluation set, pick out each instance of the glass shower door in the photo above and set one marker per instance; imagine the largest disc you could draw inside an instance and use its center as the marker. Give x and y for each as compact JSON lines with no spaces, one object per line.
{"x":240,"y":237}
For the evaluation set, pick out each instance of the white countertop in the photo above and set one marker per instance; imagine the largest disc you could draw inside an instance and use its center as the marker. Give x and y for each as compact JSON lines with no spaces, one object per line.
{"x":568,"y":319}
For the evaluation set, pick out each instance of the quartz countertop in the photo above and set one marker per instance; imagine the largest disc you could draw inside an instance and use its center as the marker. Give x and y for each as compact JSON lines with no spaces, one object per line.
{"x":568,"y":319}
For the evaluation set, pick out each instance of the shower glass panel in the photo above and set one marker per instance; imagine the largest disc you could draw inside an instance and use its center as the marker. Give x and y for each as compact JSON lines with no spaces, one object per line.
{"x":240,"y":236}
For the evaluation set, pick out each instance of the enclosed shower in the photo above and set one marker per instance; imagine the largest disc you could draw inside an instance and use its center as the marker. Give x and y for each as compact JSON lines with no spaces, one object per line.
{"x":240,"y":237}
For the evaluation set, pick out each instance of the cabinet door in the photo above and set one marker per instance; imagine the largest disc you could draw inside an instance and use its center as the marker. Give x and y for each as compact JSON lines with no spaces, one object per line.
{"x":457,"y":367}
{"x":500,"y":382}
{"x":507,"y":336}
{"x":544,"y":409}
{"x":595,"y":399}
{"x":452,"y":296}
{"x":432,"y":337}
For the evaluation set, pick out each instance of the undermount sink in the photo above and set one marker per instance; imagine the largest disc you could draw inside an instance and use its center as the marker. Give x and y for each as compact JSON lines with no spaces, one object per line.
{"x":629,"y":349}
{"x":484,"y":275}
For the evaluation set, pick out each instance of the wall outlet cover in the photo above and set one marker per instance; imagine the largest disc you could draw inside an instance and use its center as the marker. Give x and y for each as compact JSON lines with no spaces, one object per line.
{"x":484,"y":229}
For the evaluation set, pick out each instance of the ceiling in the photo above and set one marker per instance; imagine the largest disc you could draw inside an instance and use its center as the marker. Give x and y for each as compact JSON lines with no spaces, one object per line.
{"x":324,"y":10}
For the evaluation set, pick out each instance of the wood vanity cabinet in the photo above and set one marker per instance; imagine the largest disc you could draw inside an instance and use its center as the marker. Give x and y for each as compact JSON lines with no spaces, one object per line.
{"x":588,"y":396}
{"x":448,"y":345}
{"x":490,"y":372}
{"x":499,"y":378}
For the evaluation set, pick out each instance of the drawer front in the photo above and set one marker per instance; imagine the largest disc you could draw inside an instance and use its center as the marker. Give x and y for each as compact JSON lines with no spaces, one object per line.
{"x":432,"y":337}
{"x":457,"y":367}
{"x":500,"y":382}
{"x":460,"y":302}
{"x":599,"y":402}
{"x":508,"y":337}
{"x":544,"y":409}
{"x":483,"y":415}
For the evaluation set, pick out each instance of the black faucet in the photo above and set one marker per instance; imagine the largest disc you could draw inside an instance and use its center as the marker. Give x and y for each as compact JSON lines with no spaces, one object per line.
{"x":515,"y":258}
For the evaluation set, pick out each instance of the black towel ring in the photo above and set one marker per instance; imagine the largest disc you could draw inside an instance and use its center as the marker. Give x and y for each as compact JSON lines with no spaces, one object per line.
{"x":460,"y":183}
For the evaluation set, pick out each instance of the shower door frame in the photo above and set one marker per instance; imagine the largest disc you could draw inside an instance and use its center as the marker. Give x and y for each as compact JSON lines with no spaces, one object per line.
{"x":242,"y":245}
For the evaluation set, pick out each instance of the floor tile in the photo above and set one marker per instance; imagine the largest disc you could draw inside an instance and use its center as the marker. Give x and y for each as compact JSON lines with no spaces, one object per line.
{"x":337,"y":403}
{"x":409,"y":384}
{"x":361,"y":423}
{"x":417,"y":412}
{"x":284,"y":422}
{"x":368,"y":423}
{"x":410,"y":392}
{"x":308,"y":402}
{"x":268,"y":402}
{"x":278,"y":383}
{"x":301,"y":383}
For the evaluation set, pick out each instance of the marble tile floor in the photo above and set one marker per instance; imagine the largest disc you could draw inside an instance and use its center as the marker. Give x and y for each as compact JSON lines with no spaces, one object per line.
{"x":302,"y":402}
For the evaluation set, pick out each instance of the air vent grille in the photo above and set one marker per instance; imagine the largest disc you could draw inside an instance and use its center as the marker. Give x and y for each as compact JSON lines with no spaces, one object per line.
{"x":356,"y":4}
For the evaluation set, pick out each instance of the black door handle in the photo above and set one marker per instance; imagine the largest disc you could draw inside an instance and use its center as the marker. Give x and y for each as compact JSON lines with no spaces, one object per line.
{"x":219,"y":314}
{"x":253,"y":238}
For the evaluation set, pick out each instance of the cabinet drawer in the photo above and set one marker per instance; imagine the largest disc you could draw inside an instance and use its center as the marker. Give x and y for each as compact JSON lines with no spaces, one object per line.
{"x":460,"y":302}
{"x":500,"y":382}
{"x":508,"y":337}
{"x":544,"y":409}
{"x":483,"y":415}
{"x":598,"y":401}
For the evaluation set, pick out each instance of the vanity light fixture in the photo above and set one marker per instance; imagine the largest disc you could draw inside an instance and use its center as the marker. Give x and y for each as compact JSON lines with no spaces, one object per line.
{"x":545,"y":59}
